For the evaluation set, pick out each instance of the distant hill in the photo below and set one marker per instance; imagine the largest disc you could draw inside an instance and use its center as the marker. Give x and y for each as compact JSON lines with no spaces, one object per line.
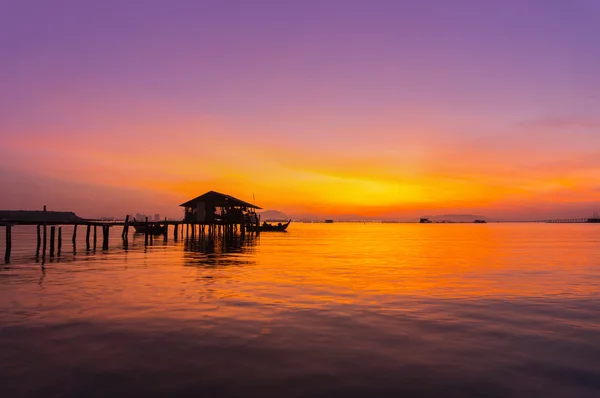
{"x":273,"y":215}
{"x":456,"y":217}
{"x":39,"y":216}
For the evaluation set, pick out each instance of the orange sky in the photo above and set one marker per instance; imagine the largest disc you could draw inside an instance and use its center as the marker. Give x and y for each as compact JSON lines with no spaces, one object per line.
{"x":382,"y":177}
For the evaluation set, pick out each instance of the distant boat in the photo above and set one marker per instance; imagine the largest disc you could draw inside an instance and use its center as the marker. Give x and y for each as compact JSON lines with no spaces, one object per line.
{"x":152,"y":228}
{"x":480,"y":222}
{"x":329,"y":221}
{"x":266,"y":227}
{"x":424,"y":220}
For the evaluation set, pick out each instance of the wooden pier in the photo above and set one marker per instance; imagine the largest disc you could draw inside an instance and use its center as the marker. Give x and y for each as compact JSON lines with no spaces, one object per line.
{"x":207,"y":216}
{"x":573,"y":221}
{"x":50,"y":245}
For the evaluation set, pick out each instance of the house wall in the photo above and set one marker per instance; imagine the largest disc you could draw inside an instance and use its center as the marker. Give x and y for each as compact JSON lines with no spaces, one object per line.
{"x":201,"y":212}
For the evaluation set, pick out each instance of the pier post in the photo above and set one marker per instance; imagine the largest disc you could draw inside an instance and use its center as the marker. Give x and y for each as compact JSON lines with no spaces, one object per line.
{"x":124,"y":233}
{"x":95,"y":240}
{"x":44,"y":245}
{"x":39,"y":241}
{"x":105,"y":232}
{"x":59,"y":240}
{"x":8,"y":243}
{"x":146,"y":232}
{"x":74,"y":240}
{"x":175,"y":232}
{"x":52,"y":236}
{"x":87,"y":237}
{"x":166,"y":230}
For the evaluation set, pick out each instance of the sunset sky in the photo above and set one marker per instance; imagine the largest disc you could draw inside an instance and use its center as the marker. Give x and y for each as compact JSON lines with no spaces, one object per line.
{"x":381,"y":109}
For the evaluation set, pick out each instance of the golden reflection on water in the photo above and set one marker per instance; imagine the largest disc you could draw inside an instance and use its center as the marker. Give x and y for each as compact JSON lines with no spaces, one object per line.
{"x":327,"y":309}
{"x":313,"y":266}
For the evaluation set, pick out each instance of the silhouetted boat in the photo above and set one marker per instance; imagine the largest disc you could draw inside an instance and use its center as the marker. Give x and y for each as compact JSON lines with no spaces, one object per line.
{"x":329,"y":221}
{"x":154,"y":229}
{"x":480,"y":222}
{"x":266,"y":227}
{"x":425,"y":220}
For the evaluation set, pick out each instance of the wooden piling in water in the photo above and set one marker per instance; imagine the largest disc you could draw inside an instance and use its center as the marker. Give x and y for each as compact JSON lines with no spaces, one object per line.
{"x":95,"y":240}
{"x":125,"y":228}
{"x":175,"y":232}
{"x":87,"y":237}
{"x":39,"y":241}
{"x":105,"y":233}
{"x":146,"y":232}
{"x":59,"y":240}
{"x":44,"y":244}
{"x":8,"y":243}
{"x":74,"y":239}
{"x":52,"y":236}
{"x":166,"y":230}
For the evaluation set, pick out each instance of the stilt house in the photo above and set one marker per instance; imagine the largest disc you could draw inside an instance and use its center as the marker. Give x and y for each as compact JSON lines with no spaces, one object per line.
{"x":218,"y":208}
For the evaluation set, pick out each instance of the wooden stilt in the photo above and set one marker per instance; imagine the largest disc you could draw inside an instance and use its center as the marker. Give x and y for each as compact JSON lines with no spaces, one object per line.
{"x":44,"y":244}
{"x":175,"y":232}
{"x":74,"y":240}
{"x":95,"y":237}
{"x":124,"y":233}
{"x":87,"y":237}
{"x":52,"y":236}
{"x":8,"y":243}
{"x":146,"y":232}
{"x":166,"y":230}
{"x":105,"y":232}
{"x":59,"y":240}
{"x":39,"y":241}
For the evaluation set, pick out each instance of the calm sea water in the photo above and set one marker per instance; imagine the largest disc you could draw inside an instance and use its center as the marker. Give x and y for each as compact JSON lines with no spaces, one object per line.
{"x":451,"y":310}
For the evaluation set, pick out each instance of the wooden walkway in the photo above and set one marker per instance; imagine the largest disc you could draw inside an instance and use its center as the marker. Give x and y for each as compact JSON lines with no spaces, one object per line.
{"x":573,"y":221}
{"x":151,"y":229}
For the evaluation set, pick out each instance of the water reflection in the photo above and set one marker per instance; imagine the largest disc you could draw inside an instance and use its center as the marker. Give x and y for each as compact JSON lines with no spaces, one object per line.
{"x":220,"y":251}
{"x":324,"y":310}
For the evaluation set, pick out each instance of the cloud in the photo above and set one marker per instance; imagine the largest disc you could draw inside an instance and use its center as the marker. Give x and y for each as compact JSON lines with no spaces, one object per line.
{"x":563,"y":122}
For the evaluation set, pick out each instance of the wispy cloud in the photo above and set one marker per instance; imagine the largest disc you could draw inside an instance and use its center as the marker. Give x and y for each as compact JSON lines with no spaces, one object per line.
{"x":563,"y":123}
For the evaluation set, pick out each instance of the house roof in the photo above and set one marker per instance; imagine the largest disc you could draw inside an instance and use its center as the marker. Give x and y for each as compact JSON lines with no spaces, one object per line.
{"x":218,"y":199}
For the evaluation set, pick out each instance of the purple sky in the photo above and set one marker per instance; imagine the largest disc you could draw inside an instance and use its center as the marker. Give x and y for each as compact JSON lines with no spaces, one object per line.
{"x":438,"y":89}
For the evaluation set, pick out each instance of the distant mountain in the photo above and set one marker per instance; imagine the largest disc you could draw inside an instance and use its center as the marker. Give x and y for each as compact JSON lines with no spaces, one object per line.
{"x":456,"y":217}
{"x":39,"y":216}
{"x":273,"y":215}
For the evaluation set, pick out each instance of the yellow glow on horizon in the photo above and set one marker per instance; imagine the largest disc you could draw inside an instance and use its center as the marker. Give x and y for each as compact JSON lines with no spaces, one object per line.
{"x":202,"y":155}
